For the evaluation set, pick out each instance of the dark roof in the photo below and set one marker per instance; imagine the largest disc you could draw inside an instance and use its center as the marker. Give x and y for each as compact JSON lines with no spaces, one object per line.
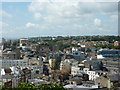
{"x":114,"y":76}
{"x":8,"y":70}
{"x":69,"y":57}
{"x":25,"y":70}
{"x":77,"y":79}
{"x":108,"y":52}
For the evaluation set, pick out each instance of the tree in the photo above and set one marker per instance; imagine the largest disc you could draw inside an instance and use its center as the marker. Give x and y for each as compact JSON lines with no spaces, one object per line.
{"x":30,"y":86}
{"x":88,"y":50}
{"x":26,"y":85}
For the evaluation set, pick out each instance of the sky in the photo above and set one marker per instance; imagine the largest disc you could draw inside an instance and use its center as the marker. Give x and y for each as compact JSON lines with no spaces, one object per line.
{"x":33,"y":19}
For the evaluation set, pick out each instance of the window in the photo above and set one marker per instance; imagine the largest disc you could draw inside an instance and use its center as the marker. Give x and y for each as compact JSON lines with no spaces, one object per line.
{"x":37,"y":72}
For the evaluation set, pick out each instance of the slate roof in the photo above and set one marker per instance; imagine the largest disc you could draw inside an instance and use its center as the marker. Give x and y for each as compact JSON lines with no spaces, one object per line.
{"x":114,"y":76}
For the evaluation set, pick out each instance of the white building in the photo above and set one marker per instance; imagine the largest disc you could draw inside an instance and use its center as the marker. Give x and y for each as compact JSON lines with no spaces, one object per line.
{"x":52,"y":63}
{"x":78,"y":55}
{"x":10,"y":63}
{"x":36,"y":66}
{"x":108,"y":53}
{"x":67,"y":63}
{"x":38,"y":81}
{"x":76,"y":69}
{"x":14,"y":75}
{"x":65,"y":66}
{"x":81,"y":87}
{"x":92,"y":74}
{"x":23,"y":42}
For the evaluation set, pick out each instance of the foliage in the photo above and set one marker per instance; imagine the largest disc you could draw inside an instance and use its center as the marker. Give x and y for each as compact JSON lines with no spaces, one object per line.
{"x":108,"y":46}
{"x":103,"y":38}
{"x":113,"y":87}
{"x":51,"y":87}
{"x":29,"y":86}
{"x":26,"y":85}
{"x":63,"y":46}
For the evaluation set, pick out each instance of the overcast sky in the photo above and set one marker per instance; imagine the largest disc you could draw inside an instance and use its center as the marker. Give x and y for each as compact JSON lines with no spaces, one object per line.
{"x":29,"y":19}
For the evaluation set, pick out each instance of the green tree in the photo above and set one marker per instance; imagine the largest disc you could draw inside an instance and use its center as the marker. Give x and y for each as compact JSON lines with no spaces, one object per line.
{"x":26,"y":85}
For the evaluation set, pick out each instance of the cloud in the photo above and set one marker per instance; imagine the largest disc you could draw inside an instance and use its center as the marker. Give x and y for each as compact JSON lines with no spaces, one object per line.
{"x":67,"y":8}
{"x":38,"y":16}
{"x":31,"y":25}
{"x":114,"y":18}
{"x":61,"y":0}
{"x":4,"y":28}
{"x":69,"y":18}
{"x":3,"y":24}
{"x":37,"y":27}
{"x":70,"y":11}
{"x":97,"y":22}
{"x":5,"y":14}
{"x":76,"y":16}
